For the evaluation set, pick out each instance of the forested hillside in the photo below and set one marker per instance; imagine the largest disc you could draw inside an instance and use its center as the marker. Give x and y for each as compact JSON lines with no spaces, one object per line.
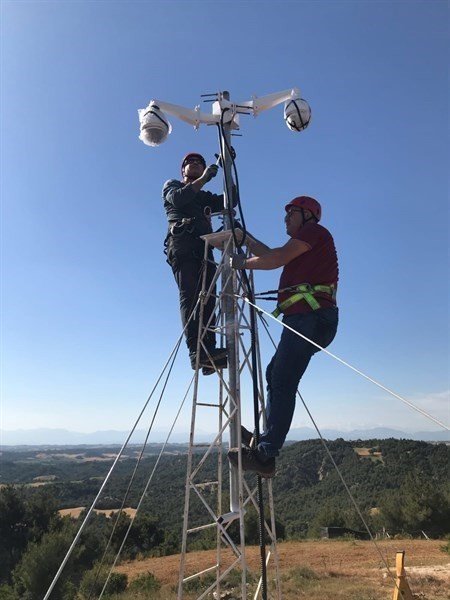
{"x":401,"y":486}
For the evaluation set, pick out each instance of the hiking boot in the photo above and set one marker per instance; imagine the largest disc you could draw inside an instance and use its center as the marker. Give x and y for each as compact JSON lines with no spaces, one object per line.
{"x":252,"y":461}
{"x":219,"y":359}
{"x":247,"y":437}
{"x":217,"y":353}
{"x":208,"y":370}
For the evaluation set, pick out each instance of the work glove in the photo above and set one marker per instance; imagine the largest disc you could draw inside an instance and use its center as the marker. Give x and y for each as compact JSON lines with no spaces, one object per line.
{"x":237,"y":261}
{"x":209,"y":173}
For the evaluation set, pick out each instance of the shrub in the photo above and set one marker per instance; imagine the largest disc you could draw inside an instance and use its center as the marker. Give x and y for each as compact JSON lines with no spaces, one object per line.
{"x":446,"y":546}
{"x":300,"y":574}
{"x":145,"y":583}
{"x":7,"y":593}
{"x":199,"y":583}
{"x":93,"y":581}
{"x":117,"y":583}
{"x":300,"y":578}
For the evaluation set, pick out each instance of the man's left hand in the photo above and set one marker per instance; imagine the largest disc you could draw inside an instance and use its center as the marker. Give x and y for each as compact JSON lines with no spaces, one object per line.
{"x":209,"y":173}
{"x":237,"y":261}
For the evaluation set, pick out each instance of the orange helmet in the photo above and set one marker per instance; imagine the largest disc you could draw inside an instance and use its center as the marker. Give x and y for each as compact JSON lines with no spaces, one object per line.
{"x":307,"y":203}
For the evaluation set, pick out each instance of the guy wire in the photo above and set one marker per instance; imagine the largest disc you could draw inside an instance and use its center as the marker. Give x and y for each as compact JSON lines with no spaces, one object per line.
{"x":86,"y":519}
{"x":347,"y":489}
{"x":144,"y":493}
{"x":138,"y":462}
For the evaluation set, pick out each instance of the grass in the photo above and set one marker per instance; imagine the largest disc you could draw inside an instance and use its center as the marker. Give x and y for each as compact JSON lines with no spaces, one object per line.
{"x":314,"y":570}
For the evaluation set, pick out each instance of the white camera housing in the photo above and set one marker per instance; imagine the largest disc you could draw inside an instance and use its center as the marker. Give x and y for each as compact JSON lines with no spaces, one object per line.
{"x":154,"y":125}
{"x":297,"y":114}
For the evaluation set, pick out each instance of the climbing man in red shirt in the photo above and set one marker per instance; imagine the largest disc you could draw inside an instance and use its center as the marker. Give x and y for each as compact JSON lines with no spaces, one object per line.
{"x":307,"y":299}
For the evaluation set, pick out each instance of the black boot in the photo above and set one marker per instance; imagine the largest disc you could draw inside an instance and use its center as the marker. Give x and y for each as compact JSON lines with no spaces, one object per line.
{"x":252,"y":460}
{"x":218,"y":359}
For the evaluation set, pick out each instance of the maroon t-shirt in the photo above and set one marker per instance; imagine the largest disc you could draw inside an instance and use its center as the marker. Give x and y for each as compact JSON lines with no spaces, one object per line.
{"x":317,"y":265}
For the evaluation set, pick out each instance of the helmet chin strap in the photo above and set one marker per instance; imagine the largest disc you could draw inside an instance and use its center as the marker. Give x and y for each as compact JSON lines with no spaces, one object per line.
{"x":311,"y":218}
{"x":187,"y":176}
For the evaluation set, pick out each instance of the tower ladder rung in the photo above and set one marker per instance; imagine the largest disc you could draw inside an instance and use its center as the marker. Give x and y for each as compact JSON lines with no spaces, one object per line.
{"x":201,"y":527}
{"x":208,"y":570}
{"x":205,"y":484}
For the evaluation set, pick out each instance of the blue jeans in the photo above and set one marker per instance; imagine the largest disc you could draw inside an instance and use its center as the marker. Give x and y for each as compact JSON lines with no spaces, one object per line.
{"x":286,"y":369}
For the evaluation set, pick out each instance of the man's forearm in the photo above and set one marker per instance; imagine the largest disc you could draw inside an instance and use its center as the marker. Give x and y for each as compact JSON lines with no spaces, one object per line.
{"x":197,"y":184}
{"x":206,"y":176}
{"x":255,"y":246}
{"x":271,"y":259}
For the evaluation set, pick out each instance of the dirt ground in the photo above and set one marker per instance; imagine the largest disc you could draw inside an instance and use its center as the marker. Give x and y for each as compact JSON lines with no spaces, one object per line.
{"x":352,"y":570}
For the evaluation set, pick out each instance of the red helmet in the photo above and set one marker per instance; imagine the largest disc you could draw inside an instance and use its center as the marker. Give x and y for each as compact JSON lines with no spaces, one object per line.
{"x":190,"y":156}
{"x":307,"y":203}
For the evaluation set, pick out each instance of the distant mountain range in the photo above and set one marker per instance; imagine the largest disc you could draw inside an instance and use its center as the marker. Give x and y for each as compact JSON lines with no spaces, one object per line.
{"x":58,"y":437}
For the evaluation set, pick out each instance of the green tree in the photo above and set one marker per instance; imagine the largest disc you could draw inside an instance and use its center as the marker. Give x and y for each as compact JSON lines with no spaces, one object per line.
{"x":328,"y":516}
{"x":13,"y":530}
{"x":418,"y":505}
{"x":41,"y":509}
{"x":425,"y":508}
{"x":40,"y":562}
{"x":23,"y":518}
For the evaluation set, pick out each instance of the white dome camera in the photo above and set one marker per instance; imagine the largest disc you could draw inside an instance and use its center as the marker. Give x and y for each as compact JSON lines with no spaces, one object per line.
{"x":297,"y":114}
{"x":154,"y":125}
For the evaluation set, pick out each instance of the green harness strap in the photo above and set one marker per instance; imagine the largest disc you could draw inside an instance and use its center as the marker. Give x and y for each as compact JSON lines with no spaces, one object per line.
{"x":306,"y":292}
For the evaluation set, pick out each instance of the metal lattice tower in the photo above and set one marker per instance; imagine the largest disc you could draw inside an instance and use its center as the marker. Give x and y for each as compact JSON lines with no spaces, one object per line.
{"x":202,"y":491}
{"x":243,"y":356}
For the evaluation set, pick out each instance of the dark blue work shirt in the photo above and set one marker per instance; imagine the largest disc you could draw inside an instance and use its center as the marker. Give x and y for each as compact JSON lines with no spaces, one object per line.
{"x":182,"y":202}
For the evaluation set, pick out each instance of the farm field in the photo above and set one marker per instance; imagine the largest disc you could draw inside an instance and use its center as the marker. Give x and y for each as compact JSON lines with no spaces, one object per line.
{"x":321,"y":570}
{"x":76,"y":512}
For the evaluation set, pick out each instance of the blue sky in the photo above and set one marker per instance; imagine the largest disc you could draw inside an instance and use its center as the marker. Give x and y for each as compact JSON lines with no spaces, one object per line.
{"x":90,"y":309}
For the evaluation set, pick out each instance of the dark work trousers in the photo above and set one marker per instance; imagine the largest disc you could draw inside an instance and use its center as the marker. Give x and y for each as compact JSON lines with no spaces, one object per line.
{"x":188,"y":272}
{"x":287,"y":368}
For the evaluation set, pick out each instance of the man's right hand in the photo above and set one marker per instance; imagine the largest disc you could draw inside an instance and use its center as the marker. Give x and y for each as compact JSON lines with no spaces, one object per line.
{"x":209,"y":173}
{"x":237,"y":261}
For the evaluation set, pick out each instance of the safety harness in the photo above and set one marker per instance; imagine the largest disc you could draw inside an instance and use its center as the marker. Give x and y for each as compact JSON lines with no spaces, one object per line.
{"x":306,"y":292}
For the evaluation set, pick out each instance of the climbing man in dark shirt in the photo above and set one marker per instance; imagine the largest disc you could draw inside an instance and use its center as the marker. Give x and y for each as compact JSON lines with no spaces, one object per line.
{"x":188,"y":208}
{"x":307,"y":299}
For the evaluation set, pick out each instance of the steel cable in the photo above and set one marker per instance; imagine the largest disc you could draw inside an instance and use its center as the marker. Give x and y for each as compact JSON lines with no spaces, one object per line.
{"x":380,"y":385}
{"x":144,"y":493}
{"x":133,"y":475}
{"x":347,"y":489}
